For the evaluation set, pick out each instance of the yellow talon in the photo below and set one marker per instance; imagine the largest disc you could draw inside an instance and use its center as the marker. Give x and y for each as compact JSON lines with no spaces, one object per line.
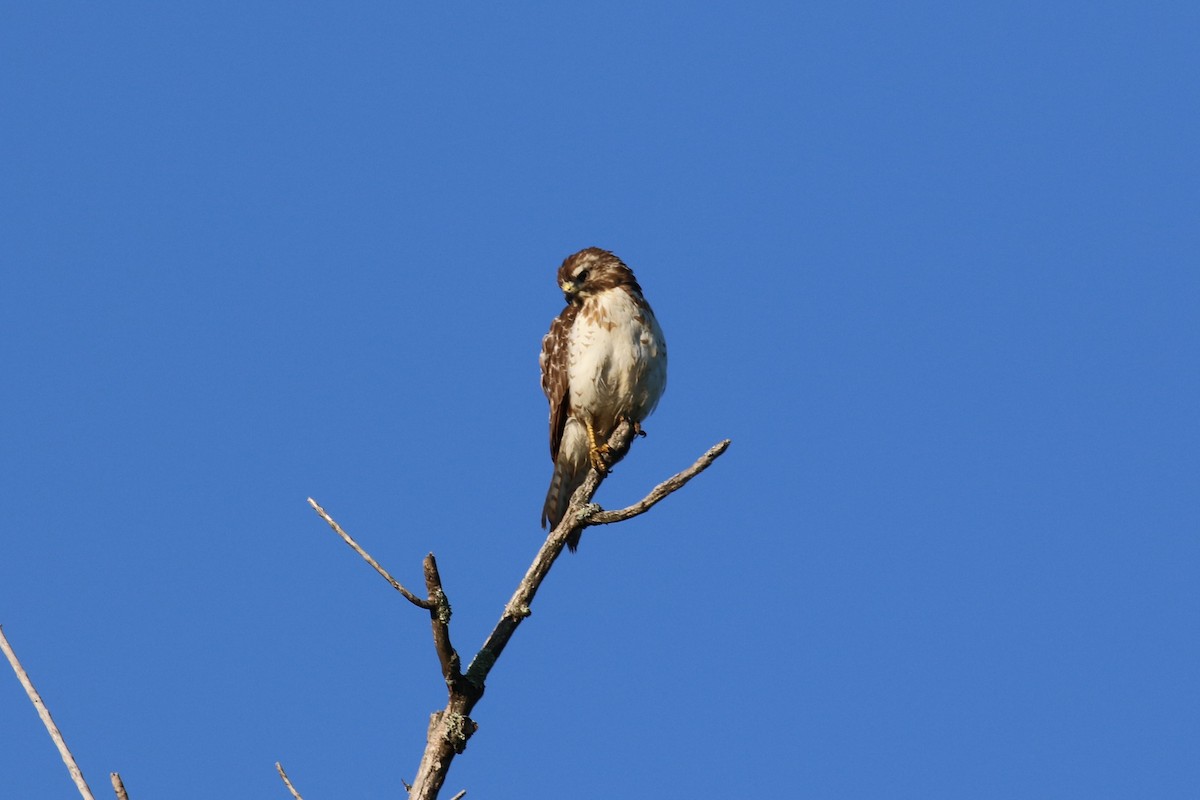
{"x":596,"y":450}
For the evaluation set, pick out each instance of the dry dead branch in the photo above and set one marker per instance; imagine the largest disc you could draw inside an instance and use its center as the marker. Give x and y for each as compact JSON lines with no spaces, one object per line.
{"x":287,"y":782}
{"x":44,"y":713}
{"x":452,"y":726}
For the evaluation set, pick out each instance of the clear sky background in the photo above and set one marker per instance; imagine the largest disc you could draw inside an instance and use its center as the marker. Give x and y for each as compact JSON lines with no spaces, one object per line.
{"x":931,"y":266}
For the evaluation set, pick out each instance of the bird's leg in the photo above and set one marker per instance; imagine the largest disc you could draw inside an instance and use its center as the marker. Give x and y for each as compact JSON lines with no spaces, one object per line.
{"x":596,"y":450}
{"x":637,"y":429}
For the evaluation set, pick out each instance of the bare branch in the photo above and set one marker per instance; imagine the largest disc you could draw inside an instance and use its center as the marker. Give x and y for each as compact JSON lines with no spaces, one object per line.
{"x":44,"y":713}
{"x":118,"y":786}
{"x":450,"y":728}
{"x":518,"y":606}
{"x":439,"y":616}
{"x":412,"y":598}
{"x":672,"y":484}
{"x":287,"y":782}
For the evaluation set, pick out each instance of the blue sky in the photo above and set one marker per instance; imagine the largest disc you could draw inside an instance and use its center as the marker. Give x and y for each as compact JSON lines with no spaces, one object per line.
{"x":931,"y":266}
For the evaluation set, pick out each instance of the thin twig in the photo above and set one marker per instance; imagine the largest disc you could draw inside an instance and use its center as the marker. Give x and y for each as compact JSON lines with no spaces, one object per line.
{"x":460,"y":795}
{"x":671,"y":484}
{"x":118,"y":786}
{"x":44,"y":713}
{"x":287,"y":782}
{"x":409,"y":596}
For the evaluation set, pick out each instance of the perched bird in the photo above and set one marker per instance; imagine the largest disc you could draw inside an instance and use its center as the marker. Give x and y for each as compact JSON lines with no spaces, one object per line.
{"x":604,"y":360}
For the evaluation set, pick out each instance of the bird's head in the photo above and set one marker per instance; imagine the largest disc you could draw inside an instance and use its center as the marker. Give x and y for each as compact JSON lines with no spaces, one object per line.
{"x":592,"y":271}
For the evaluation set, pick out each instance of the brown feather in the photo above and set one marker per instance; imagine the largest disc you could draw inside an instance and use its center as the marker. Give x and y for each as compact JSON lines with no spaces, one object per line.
{"x":555,"y":381}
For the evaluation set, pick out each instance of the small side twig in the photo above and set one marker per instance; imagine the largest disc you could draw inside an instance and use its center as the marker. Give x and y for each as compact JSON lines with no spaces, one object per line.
{"x":44,"y":713}
{"x":671,"y":484}
{"x":287,"y":782}
{"x":409,"y":596}
{"x":118,"y":786}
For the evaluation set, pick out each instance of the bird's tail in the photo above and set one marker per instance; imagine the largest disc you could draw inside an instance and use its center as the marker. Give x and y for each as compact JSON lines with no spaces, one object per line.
{"x":568,"y":475}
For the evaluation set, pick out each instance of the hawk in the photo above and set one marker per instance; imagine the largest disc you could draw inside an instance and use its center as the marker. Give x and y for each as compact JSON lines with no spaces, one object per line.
{"x":604,"y":360}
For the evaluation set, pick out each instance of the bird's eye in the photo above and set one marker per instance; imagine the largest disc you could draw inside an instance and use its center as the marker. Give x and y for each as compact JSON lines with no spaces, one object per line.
{"x":582,"y":276}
